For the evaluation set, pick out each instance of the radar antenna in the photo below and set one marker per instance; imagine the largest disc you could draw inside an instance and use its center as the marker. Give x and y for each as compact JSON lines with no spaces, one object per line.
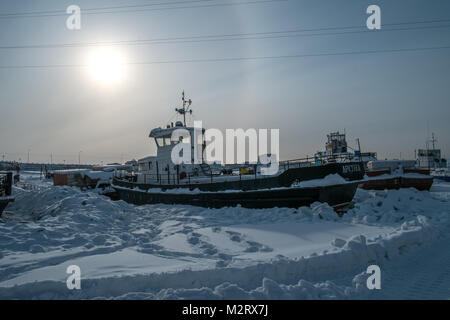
{"x":185,"y":109}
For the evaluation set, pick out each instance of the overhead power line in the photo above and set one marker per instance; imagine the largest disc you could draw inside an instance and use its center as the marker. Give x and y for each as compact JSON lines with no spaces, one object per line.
{"x":63,"y":12}
{"x":237,"y":36}
{"x":136,"y":8}
{"x":327,"y":54}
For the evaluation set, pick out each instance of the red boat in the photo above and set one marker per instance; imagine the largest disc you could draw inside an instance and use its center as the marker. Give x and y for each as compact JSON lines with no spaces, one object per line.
{"x":396,"y":174}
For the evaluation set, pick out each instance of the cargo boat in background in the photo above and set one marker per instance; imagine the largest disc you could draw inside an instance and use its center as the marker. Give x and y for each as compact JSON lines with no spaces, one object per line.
{"x":296,"y":183}
{"x":432,"y":159}
{"x":338,"y":150}
{"x":442,"y":174}
{"x":384,"y":174}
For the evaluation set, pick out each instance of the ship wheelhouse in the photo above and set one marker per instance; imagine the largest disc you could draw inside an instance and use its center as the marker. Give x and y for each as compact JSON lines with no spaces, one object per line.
{"x":160,"y":168}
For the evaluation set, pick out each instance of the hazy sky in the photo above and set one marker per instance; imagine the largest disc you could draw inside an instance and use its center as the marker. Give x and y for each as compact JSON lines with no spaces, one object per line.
{"x":385,"y":99}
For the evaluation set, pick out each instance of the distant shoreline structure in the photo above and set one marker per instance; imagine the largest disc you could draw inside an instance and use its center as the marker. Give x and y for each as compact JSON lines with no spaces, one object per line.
{"x":23,"y":166}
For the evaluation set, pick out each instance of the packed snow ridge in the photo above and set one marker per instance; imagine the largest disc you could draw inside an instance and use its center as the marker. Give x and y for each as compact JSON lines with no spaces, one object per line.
{"x":184,"y":252}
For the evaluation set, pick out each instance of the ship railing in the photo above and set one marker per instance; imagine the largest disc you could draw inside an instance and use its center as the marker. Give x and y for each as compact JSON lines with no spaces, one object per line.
{"x":316,"y":160}
{"x":233,"y":173}
{"x":190,"y":179}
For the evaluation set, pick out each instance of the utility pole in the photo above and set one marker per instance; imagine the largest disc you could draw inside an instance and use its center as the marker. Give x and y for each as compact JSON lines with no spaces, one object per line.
{"x":28,"y":157}
{"x":79,"y":157}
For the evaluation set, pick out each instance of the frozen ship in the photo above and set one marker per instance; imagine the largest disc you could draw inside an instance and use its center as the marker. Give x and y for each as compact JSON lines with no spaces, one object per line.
{"x":431,"y":159}
{"x":396,"y":174}
{"x":380,"y":174}
{"x":159,"y":180}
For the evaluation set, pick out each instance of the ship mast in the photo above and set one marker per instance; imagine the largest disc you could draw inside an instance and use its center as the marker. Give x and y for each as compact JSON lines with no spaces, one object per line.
{"x":185,"y":109}
{"x":433,"y":140}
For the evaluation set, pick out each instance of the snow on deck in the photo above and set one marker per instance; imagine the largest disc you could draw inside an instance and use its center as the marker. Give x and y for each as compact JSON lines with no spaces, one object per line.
{"x":165,"y":252}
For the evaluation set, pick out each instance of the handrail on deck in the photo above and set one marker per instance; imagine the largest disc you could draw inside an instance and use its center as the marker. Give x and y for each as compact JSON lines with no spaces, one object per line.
{"x":175,"y":179}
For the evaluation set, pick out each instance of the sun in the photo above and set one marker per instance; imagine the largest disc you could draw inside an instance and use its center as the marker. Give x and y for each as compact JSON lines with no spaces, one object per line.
{"x":106,"y":66}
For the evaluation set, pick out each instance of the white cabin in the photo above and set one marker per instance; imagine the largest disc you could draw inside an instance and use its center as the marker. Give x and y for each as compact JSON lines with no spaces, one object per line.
{"x":160,"y":168}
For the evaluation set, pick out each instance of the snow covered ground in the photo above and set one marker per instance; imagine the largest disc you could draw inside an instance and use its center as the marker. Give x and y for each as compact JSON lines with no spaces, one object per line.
{"x":181,"y":252}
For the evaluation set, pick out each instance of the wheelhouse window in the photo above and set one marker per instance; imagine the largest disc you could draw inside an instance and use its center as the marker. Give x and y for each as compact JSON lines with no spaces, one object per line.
{"x":159,"y":142}
{"x":143,"y":166}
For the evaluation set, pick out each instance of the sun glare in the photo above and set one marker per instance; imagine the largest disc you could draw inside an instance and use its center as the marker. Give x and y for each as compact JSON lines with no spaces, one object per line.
{"x":106,"y":66}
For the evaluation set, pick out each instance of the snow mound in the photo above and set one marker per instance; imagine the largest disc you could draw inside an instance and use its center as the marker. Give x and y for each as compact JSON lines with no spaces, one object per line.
{"x":184,"y":252}
{"x":331,"y":179}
